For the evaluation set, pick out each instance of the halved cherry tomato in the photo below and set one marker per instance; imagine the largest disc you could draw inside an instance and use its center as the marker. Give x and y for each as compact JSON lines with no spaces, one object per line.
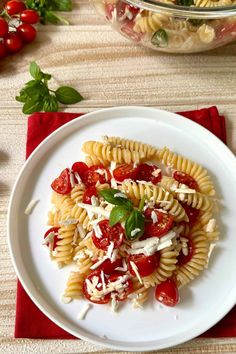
{"x":192,"y":213}
{"x":91,"y":176}
{"x":109,"y":267}
{"x":123,"y":8}
{"x":225,"y":29}
{"x":88,"y":194}
{"x":146,"y":173}
{"x":167,"y":293}
{"x":128,"y":29}
{"x":55,"y":239}
{"x":80,"y":168}
{"x":109,"y":8}
{"x":109,"y":234}
{"x":125,"y":171}
{"x":146,"y":264}
{"x":182,"y":259}
{"x":62,"y":183}
{"x":121,"y":296}
{"x":105,"y":299}
{"x":184,"y":178}
{"x":161,"y":227}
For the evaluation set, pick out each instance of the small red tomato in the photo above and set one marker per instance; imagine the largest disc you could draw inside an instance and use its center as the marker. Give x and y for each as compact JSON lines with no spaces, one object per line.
{"x":29,"y":16}
{"x":15,"y":7}
{"x":103,"y":300}
{"x":55,"y":239}
{"x":3,"y":27}
{"x":109,"y":234}
{"x":80,"y":168}
{"x":13,"y":42}
{"x":167,"y":293}
{"x":27,"y":32}
{"x":146,"y":264}
{"x":184,"y":178}
{"x":121,"y":296}
{"x":62,"y":183}
{"x":149,"y":173}
{"x":183,"y":259}
{"x":125,"y":171}
{"x":109,"y":8}
{"x":88,"y":193}
{"x":125,"y":10}
{"x":96,"y":173}
{"x":128,"y":29}
{"x":3,"y":51}
{"x":192,"y":213}
{"x":161,"y":227}
{"x":109,"y":267}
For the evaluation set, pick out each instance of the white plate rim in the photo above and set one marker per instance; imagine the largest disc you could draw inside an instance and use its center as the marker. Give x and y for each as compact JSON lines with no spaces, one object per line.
{"x":16,"y":265}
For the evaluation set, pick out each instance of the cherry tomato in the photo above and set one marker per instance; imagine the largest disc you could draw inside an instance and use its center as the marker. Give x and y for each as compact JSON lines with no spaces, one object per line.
{"x":55,"y":239}
{"x":15,"y":7}
{"x":13,"y":42}
{"x":109,"y":267}
{"x":105,"y":299}
{"x":3,"y":51}
{"x":192,"y":213}
{"x":62,"y":183}
{"x":184,"y":178}
{"x":123,"y":9}
{"x":125,"y":171}
{"x":182,"y":259}
{"x":225,"y":30}
{"x":3,"y":27}
{"x":161,"y":227}
{"x":146,"y":264}
{"x":167,"y":293}
{"x":109,"y":8}
{"x":147,"y":173}
{"x":27,"y":32}
{"x":80,"y":168}
{"x":29,"y":16}
{"x":88,"y":193}
{"x":128,"y":29}
{"x":121,"y":296}
{"x":109,"y":234}
{"x":91,"y":176}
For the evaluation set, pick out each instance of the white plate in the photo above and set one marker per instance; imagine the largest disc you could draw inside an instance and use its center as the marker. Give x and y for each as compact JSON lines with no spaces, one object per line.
{"x":203,"y":303}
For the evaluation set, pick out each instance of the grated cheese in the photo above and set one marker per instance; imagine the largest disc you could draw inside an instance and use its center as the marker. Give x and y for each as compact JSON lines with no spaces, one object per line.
{"x":120,"y":195}
{"x":72,"y":179}
{"x":49,"y":238}
{"x":98,"y":263}
{"x":184,"y":190}
{"x":82,"y":314}
{"x":113,"y":183}
{"x":75,"y":237}
{"x":211,"y":225}
{"x":30,"y":207}
{"x":156,"y":172}
{"x":94,"y":200}
{"x":94,"y":209}
{"x":135,"y":269}
{"x":211,"y":248}
{"x":135,"y":232}
{"x":97,"y":231}
{"x":114,"y":255}
{"x":154,"y":217}
{"x":110,"y":250}
{"x":66,"y":299}
{"x":77,"y":176}
{"x":68,"y":222}
{"x":114,"y":303}
{"x":103,"y":280}
{"x":124,"y":267}
{"x":81,"y":231}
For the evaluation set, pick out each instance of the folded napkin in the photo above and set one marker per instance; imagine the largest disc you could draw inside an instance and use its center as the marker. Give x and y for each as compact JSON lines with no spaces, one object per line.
{"x":30,"y":321}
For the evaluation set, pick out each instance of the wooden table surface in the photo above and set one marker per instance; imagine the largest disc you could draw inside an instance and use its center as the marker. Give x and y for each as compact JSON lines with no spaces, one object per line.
{"x":109,"y":71}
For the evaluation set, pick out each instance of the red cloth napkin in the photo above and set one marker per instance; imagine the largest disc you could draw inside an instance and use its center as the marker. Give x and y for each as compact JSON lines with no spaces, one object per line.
{"x":30,"y":321}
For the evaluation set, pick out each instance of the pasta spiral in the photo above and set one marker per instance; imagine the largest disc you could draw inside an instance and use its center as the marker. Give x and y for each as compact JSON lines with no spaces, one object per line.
{"x":64,"y":248}
{"x":150,"y":23}
{"x":74,"y":286}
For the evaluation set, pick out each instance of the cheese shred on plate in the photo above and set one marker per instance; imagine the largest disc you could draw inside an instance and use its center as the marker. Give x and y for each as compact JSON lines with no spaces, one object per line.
{"x":30,"y":207}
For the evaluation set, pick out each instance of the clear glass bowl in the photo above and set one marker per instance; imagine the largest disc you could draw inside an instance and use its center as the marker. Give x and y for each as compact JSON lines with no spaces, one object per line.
{"x":168,"y":26}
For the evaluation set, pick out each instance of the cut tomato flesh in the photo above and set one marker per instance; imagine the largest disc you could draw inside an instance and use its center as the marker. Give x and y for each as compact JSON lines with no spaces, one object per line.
{"x":184,"y":178}
{"x":161,"y":227}
{"x":62,"y":183}
{"x":96,"y":173}
{"x":146,"y":264}
{"x":125,"y":171}
{"x":167,"y":293}
{"x":110,"y":234}
{"x":192,"y":213}
{"x":109,"y":267}
{"x":95,"y":275}
{"x":88,"y":194}
{"x":80,"y":168}
{"x":55,"y":239}
{"x":149,"y":173}
{"x":121,"y":296}
{"x":184,"y":259}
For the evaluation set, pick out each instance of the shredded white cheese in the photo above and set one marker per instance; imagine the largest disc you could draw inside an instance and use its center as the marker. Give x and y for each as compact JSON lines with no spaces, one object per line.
{"x":97,"y":231}
{"x":154,"y":217}
{"x":68,"y":222}
{"x":72,"y":179}
{"x":95,"y":209}
{"x":135,"y":269}
{"x":135,"y":232}
{"x":211,"y":225}
{"x":120,"y":195}
{"x":66,"y":299}
{"x":49,"y":238}
{"x":98,"y":263}
{"x":156,"y":172}
{"x":30,"y":207}
{"x":75,"y":237}
{"x":211,"y":248}
{"x":82,"y":314}
{"x":77,"y":176}
{"x":81,"y":231}
{"x":110,"y":250}
{"x":185,"y":190}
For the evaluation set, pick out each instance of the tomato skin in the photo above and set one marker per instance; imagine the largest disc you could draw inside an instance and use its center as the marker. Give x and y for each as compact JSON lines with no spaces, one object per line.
{"x":109,"y":8}
{"x":27,"y":32}
{"x":109,"y":267}
{"x":88,"y":193}
{"x":52,"y":229}
{"x":125,"y":171}
{"x":13,"y":42}
{"x":79,"y":167}
{"x":91,"y":177}
{"x":109,"y":233}
{"x":3,"y":27}
{"x":164,"y":223}
{"x":145,"y":173}
{"x":192,"y":213}
{"x":3,"y":51}
{"x":122,"y":7}
{"x":146,"y":264}
{"x":182,"y":259}
{"x":14,"y":7}
{"x":105,"y":299}
{"x":29,"y":16}
{"x":62,"y":183}
{"x":184,"y":178}
{"x":167,"y":293}
{"x":225,"y":30}
{"x":128,"y":290}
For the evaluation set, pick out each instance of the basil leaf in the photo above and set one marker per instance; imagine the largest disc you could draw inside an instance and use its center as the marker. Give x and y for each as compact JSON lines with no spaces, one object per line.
{"x":35,"y":71}
{"x":51,"y":17}
{"x":68,"y":95}
{"x":32,"y":106}
{"x":118,"y":214}
{"x":36,"y":89}
{"x":50,"y":104}
{"x":185,"y":2}
{"x":109,"y":196}
{"x":22,"y":97}
{"x":134,"y":221}
{"x":61,"y":5}
{"x":160,"y":38}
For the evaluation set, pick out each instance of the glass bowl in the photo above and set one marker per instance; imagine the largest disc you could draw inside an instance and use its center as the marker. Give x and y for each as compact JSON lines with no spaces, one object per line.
{"x":173,"y":26}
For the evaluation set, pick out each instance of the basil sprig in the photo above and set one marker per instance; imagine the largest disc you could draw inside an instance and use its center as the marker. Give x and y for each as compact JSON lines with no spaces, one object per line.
{"x":124,"y":211}
{"x":160,"y":38}
{"x":47,"y":8}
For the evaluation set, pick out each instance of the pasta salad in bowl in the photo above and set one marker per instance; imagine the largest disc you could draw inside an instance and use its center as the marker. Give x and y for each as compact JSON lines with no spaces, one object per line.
{"x":174,"y":26}
{"x":131,"y":217}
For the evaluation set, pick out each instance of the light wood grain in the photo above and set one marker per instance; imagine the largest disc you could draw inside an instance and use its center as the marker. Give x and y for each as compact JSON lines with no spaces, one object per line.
{"x":109,"y":71}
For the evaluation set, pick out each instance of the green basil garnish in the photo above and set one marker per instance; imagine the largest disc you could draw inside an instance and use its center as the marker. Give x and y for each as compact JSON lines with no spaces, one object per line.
{"x":134,"y":221}
{"x":109,"y":196}
{"x":160,"y":38}
{"x":118,"y":214}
